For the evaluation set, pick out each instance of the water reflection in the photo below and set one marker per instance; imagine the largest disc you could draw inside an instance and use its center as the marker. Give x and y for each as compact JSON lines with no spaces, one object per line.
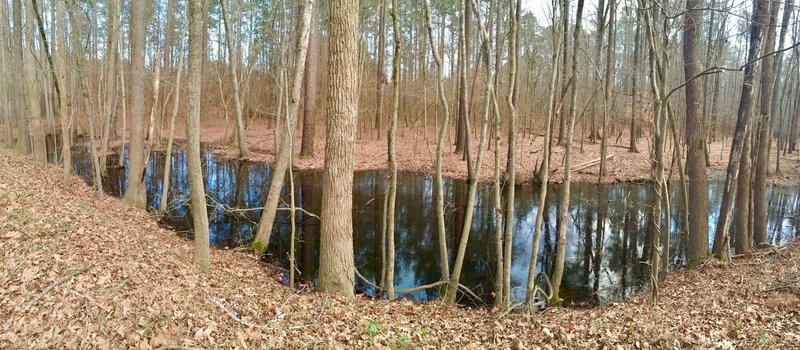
{"x":608,"y":239}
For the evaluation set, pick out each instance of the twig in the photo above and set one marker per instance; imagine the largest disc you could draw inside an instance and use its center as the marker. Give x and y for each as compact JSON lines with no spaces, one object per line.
{"x":234,"y":317}
{"x":469,"y":292}
{"x":423,"y":287}
{"x":56,"y":284}
{"x":373,"y":285}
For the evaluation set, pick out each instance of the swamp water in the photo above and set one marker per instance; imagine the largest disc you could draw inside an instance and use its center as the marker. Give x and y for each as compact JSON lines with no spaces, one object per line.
{"x":607,"y":239}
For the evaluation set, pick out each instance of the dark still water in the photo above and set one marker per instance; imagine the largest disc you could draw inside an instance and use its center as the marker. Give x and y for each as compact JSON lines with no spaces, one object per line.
{"x":607,"y":240}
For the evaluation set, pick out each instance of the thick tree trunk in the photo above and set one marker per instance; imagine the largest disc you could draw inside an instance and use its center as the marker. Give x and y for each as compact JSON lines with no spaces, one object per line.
{"x":135,"y":194}
{"x":336,"y":270}
{"x":196,"y":14}
{"x":695,"y":133}
{"x":23,"y":132}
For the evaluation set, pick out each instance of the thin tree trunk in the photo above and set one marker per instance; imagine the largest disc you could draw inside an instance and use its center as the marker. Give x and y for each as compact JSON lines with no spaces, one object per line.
{"x":610,"y":63}
{"x":283,"y":158}
{"x":380,"y":76}
{"x":511,"y":177}
{"x":530,"y":294}
{"x":111,"y":79}
{"x":162,"y":206}
{"x":473,"y":182}
{"x":632,"y":147}
{"x":558,"y":271}
{"x":722,"y":238}
{"x":392,"y":140}
{"x":196,"y":14}
{"x":310,"y":87}
{"x":438,"y":183}
{"x":764,"y":134}
{"x":32,"y":88}
{"x":241,"y":136}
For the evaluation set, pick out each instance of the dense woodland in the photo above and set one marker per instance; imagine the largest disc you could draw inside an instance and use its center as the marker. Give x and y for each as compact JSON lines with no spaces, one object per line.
{"x":674,"y":77}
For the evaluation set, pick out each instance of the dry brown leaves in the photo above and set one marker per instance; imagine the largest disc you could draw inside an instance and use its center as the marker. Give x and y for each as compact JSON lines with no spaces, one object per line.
{"x":117,"y":280}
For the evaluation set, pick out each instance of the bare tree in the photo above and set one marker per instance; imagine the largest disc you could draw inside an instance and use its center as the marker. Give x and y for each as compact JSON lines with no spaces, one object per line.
{"x":438,"y":186}
{"x":283,"y":158}
{"x":241,"y":136}
{"x":196,"y":14}
{"x":336,"y":270}
{"x":310,"y":87}
{"x":722,"y":237}
{"x":392,"y":138}
{"x":695,"y":134}
{"x":162,"y":206}
{"x":563,"y":208}
{"x":135,"y":194}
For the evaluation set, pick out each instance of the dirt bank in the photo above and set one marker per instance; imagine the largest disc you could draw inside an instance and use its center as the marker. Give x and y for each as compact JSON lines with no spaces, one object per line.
{"x":82,"y":272}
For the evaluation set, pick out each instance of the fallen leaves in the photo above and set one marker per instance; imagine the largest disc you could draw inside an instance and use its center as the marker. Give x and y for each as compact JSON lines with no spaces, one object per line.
{"x":143,"y":293}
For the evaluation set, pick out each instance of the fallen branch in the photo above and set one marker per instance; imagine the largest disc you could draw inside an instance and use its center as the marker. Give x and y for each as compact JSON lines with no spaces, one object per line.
{"x":373,"y":285}
{"x":236,"y":318}
{"x":585,"y":165}
{"x":469,"y":292}
{"x":55,"y":284}
{"x":423,"y":287}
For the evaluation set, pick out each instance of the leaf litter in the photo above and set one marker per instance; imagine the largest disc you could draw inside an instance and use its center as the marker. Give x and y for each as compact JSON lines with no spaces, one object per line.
{"x":82,"y":272}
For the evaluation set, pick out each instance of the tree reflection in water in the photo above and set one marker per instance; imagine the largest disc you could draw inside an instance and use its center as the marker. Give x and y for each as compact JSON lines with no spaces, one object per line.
{"x":607,"y":240}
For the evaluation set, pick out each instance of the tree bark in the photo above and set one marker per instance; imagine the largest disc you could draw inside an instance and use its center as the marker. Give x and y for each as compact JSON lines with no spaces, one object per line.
{"x":135,"y":194}
{"x":336,"y":267}
{"x":109,"y":107}
{"x":438,"y":183}
{"x":241,"y":136}
{"x":162,"y":206}
{"x":285,"y":152}
{"x":392,"y":138}
{"x":196,"y":14}
{"x":695,"y":134}
{"x":310,"y":87}
{"x":722,"y":238}
{"x":764,"y":134}
{"x":563,"y":209}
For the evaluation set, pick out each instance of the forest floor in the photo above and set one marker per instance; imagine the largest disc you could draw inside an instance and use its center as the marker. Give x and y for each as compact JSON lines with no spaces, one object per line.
{"x":83,"y":272}
{"x":416,"y":153}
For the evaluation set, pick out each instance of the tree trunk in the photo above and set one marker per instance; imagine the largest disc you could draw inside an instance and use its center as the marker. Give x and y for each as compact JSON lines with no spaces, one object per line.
{"x":764,"y":134}
{"x":162,"y":206}
{"x":530,"y":294}
{"x":241,"y":136}
{"x":63,"y":108}
{"x":336,"y":270}
{"x":285,"y":153}
{"x":438,"y":185}
{"x":511,"y":100}
{"x":196,"y":14}
{"x":109,"y":107}
{"x":632,"y":147}
{"x":32,"y":88}
{"x":23,"y":132}
{"x":380,"y":76}
{"x":722,"y":238}
{"x":392,"y":138}
{"x":695,"y":133}
{"x":610,"y":63}
{"x":135,"y":195}
{"x":310,"y":87}
{"x":563,"y":209}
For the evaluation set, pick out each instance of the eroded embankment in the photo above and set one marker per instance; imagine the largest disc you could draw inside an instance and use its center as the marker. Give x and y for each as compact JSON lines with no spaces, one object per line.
{"x":79,"y":272}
